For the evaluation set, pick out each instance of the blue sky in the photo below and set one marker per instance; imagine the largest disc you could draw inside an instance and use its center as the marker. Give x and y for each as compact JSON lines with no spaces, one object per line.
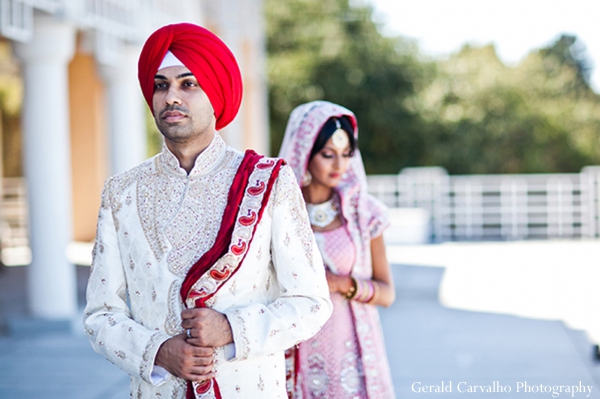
{"x":515,"y":26}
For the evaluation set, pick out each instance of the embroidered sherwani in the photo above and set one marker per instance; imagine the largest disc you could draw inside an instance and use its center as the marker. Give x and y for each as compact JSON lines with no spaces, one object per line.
{"x":155,"y":222}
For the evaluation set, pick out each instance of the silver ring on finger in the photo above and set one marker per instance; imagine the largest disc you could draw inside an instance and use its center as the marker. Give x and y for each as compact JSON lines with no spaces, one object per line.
{"x":188,"y":332}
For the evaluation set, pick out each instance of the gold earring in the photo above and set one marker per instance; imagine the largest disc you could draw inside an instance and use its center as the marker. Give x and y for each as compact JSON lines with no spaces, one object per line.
{"x":306,"y":179}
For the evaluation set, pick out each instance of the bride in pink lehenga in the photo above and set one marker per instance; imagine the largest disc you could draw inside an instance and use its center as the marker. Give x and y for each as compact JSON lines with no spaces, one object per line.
{"x":347,"y":358}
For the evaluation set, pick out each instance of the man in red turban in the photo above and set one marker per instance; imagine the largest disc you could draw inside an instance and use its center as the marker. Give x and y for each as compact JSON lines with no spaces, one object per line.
{"x":206,"y":56}
{"x":195,"y":290}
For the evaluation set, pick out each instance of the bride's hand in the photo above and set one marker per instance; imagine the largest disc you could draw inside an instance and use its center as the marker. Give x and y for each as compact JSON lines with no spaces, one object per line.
{"x":338,"y":283}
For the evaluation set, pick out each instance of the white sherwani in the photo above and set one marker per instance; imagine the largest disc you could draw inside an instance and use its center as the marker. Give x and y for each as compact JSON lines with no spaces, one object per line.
{"x":154,"y":223}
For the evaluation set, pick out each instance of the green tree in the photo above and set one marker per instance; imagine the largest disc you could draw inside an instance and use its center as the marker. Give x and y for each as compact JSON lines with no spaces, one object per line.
{"x":485,"y":117}
{"x":325,"y":49}
{"x":567,"y":50}
{"x":469,"y":113}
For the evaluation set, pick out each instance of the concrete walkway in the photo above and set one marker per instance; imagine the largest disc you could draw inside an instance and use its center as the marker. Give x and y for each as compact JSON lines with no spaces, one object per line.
{"x":550,"y":280}
{"x":429,"y":345}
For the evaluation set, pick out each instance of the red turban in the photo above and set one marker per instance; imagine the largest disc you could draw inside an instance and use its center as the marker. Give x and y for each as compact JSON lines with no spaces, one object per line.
{"x":206,"y":56}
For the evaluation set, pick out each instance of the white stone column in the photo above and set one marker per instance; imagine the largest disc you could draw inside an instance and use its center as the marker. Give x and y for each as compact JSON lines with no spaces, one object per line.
{"x":51,"y":278}
{"x":126,"y":107}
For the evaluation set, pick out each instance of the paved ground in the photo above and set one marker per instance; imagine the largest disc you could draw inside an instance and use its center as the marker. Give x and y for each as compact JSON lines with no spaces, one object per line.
{"x":428,"y":344}
{"x":550,"y":280}
{"x":50,"y":360}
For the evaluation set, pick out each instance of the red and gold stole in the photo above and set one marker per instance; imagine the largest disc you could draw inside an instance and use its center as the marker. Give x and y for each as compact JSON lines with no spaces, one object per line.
{"x":246,"y":202}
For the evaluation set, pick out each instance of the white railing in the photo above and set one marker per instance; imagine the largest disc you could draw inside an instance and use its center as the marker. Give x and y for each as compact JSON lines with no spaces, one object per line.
{"x":497,"y":207}
{"x":470,"y":207}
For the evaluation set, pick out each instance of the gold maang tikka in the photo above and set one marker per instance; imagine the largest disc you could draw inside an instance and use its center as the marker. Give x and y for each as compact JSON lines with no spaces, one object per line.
{"x":340,"y":137}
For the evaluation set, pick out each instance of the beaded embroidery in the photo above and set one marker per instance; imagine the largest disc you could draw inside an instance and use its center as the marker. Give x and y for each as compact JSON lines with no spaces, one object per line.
{"x":246,"y":220}
{"x":181,"y":214}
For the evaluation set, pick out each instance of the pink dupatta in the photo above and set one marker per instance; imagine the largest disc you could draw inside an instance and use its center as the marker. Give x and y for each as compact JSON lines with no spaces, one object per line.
{"x":303,"y":127}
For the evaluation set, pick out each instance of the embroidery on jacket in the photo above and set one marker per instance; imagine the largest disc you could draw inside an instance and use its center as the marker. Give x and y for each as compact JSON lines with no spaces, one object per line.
{"x":116,"y":187}
{"x":181,"y":216}
{"x":150,"y":349}
{"x":245,"y":224}
{"x":303,"y":231}
{"x":245,"y":344}
{"x":173,"y":321}
{"x":179,"y":389}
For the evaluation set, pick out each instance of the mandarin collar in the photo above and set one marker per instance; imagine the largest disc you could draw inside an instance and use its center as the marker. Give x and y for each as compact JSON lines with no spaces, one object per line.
{"x":205,"y":162}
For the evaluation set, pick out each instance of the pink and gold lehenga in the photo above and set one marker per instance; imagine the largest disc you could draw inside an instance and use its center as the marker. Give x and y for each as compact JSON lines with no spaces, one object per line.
{"x":347,"y":358}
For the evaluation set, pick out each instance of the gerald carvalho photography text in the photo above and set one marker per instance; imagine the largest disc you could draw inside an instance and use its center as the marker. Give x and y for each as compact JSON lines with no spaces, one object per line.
{"x":559,"y":390}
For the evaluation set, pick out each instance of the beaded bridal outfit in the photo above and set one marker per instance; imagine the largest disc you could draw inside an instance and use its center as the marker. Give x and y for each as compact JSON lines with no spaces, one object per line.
{"x":346,"y":359}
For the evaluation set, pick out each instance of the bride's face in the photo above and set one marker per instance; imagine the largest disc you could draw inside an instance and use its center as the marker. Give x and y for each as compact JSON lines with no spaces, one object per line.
{"x":329,"y":165}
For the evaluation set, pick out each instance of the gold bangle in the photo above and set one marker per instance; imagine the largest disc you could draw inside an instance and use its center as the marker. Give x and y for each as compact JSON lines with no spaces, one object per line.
{"x":362,"y":291}
{"x":352,"y":290}
{"x":375,"y":292}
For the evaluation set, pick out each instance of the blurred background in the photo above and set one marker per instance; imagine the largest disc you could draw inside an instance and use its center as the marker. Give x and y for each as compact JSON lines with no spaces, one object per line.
{"x":479,"y":127}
